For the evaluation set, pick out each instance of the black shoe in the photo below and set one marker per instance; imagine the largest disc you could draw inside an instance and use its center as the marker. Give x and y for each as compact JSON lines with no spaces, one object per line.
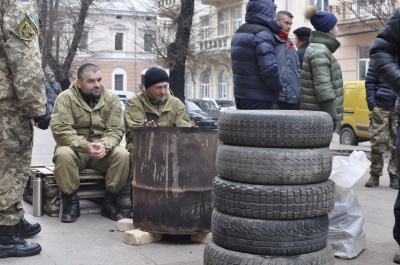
{"x":13,"y":245}
{"x":27,"y":229}
{"x":109,"y":208}
{"x":71,"y":210}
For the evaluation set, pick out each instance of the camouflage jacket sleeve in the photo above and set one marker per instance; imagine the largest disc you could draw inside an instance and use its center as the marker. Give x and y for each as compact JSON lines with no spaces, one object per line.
{"x":20,"y":29}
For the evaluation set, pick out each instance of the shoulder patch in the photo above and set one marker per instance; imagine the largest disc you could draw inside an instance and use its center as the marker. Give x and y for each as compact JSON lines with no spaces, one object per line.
{"x":25,"y":2}
{"x":27,"y":30}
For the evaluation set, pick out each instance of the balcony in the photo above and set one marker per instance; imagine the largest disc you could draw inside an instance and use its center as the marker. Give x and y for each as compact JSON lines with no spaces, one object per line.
{"x":360,"y":17}
{"x":216,"y":44}
{"x":166,"y":7}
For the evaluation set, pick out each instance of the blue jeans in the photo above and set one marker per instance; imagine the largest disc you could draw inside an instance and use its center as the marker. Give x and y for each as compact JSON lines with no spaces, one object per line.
{"x":396,"y":210}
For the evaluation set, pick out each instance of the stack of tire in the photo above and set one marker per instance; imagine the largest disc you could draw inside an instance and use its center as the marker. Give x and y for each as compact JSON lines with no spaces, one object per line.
{"x":272,"y":194}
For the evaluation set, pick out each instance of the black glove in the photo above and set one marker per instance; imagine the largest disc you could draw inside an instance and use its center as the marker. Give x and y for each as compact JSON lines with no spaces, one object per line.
{"x":44,"y":120}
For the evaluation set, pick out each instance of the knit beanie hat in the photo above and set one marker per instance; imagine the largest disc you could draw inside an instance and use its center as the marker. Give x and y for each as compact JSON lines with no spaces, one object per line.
{"x":321,"y":20}
{"x":155,"y":75}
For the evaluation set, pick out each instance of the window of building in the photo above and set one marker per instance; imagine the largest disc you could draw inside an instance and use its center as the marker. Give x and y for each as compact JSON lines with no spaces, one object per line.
{"x":236,"y":18}
{"x":148,"y":42}
{"x":205,"y":27}
{"x":205,"y":86}
{"x":118,"y":16}
{"x":223,"y":23}
{"x":119,"y":41}
{"x":321,"y":4}
{"x":363,"y":61}
{"x":84,"y":41}
{"x":118,"y":82}
{"x":223,"y":85}
{"x":189,"y":93}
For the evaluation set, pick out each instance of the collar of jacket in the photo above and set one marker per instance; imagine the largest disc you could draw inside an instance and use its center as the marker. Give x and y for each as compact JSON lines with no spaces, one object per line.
{"x":324,"y":38}
{"x":81,"y":102}
{"x":148,"y":106}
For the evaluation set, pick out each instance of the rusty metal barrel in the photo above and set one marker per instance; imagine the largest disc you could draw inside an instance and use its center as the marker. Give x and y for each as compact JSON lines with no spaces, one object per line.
{"x":172,"y":170}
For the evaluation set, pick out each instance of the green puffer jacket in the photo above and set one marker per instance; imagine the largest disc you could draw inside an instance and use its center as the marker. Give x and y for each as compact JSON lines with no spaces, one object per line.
{"x":74,"y":124}
{"x":321,"y":76}
{"x":139,"y":110}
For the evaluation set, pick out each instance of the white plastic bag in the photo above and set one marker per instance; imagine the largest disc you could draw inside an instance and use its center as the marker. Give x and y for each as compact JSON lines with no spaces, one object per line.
{"x":345,"y":234}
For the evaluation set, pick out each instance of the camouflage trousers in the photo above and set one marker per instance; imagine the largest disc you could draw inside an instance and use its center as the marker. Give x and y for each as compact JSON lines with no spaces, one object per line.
{"x":382,"y":130}
{"x":16,"y":140}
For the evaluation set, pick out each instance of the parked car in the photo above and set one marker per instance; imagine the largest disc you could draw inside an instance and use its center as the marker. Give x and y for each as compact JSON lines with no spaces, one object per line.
{"x":208,"y":106}
{"x":225,"y":104}
{"x":199,"y":117}
{"x":355,"y":124}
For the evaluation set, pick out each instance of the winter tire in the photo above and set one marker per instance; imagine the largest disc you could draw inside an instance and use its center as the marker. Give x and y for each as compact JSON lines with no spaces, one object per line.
{"x":275,"y":128}
{"x":269,"y":237}
{"x":278,"y":166}
{"x":273,"y":202}
{"x":216,"y":255}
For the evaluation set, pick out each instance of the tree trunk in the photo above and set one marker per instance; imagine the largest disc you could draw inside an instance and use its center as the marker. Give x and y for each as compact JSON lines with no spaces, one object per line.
{"x":177,"y":50}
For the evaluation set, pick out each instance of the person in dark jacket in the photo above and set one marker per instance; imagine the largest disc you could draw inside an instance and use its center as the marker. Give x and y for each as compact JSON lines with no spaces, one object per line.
{"x":381,"y":100}
{"x":321,"y":76}
{"x":288,"y":64}
{"x":302,"y":40}
{"x":254,"y":64}
{"x":384,"y":55}
{"x":53,"y":89}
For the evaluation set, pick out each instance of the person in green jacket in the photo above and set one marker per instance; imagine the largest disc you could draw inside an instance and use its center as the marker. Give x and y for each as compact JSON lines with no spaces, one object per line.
{"x":321,"y":76}
{"x":154,"y":106}
{"x":88,"y":127}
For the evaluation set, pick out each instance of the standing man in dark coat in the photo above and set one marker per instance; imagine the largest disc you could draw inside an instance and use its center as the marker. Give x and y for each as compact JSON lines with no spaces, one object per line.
{"x":384,"y":54}
{"x":382,"y":129}
{"x":254,"y":64}
{"x":301,"y":40}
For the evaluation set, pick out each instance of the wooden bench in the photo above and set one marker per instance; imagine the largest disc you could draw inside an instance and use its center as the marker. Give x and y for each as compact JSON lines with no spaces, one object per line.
{"x":90,"y":193}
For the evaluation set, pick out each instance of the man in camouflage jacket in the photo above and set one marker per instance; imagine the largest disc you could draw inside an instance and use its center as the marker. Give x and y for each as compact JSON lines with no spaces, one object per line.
{"x":87,"y":126}
{"x":22,"y":97}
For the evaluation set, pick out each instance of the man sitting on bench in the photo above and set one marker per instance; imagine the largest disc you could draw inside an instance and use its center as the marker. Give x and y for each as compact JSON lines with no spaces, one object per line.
{"x":87,"y":126}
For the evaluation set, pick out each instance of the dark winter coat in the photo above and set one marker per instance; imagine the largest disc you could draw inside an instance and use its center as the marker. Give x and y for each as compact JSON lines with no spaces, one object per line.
{"x":300,"y":52}
{"x":378,"y":93}
{"x":289,"y":71}
{"x":253,"y":54}
{"x":385,"y":53}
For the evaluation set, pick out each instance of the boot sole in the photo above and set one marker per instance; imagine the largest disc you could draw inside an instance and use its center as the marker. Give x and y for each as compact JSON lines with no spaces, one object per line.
{"x":19,"y":253}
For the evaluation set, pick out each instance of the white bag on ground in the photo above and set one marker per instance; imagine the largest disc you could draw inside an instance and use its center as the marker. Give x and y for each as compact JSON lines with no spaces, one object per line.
{"x":345,"y":234}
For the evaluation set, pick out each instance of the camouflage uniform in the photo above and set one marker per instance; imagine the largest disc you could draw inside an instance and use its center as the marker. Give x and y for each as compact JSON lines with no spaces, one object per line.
{"x":382,"y":129}
{"x":22,"y":96}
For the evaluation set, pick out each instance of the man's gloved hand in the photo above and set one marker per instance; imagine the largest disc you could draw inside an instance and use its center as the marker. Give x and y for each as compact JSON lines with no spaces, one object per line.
{"x":42,"y":122}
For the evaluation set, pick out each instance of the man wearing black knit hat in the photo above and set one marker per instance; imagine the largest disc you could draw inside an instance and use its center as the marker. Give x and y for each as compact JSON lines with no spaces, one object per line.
{"x":155,"y":106}
{"x":302,"y":40}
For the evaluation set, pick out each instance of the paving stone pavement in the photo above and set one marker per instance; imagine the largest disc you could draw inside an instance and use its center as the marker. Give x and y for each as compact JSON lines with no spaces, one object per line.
{"x":94,"y":239}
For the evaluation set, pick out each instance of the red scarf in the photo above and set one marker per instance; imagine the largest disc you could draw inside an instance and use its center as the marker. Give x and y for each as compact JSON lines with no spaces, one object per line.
{"x":284,"y":36}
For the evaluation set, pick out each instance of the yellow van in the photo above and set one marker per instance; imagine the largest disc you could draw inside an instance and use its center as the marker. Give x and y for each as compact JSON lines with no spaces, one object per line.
{"x":355,"y":123}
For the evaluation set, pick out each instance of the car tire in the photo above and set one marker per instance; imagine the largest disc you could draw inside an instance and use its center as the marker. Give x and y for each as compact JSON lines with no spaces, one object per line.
{"x":216,"y":255}
{"x":275,"y":128}
{"x":348,"y":136}
{"x":269,"y":237}
{"x":273,"y":165}
{"x":274,"y":201}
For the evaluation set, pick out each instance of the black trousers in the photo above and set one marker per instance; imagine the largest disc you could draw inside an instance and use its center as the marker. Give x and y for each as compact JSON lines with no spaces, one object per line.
{"x":396,"y":210}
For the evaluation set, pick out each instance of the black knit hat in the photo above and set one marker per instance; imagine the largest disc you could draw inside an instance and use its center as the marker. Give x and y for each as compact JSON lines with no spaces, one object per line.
{"x":302,"y":32}
{"x":155,"y":75}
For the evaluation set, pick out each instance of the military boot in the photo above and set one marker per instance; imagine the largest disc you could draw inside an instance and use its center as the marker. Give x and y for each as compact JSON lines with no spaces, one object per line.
{"x":109,"y":208}
{"x":28,"y":229}
{"x":394,"y":183}
{"x":373,"y":181}
{"x":13,"y":245}
{"x":71,"y":210}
